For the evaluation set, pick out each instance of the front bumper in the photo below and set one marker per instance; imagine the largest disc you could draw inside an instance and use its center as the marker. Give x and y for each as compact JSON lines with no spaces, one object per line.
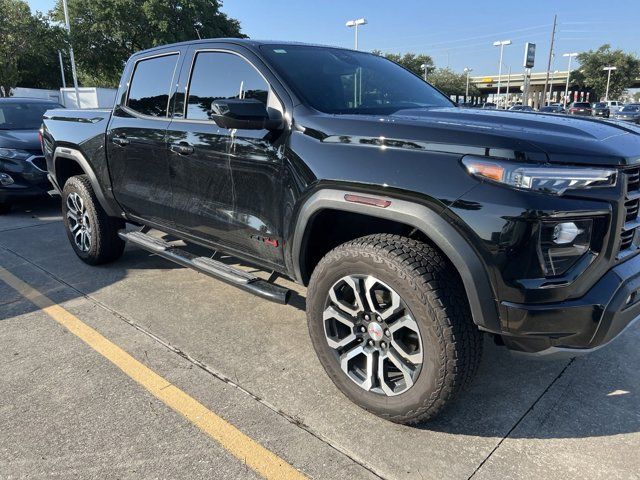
{"x":577,"y":326}
{"x":29,"y":179}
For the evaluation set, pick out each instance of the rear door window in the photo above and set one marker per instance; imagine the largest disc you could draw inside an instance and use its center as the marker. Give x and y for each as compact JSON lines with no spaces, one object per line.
{"x":151,"y":85}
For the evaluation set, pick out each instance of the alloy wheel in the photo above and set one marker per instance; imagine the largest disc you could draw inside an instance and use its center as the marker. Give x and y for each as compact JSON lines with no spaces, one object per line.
{"x":79,"y":223}
{"x":373,"y":335}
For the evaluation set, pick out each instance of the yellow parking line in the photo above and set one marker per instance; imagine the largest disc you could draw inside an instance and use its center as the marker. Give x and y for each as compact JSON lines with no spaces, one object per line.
{"x":258,"y":458}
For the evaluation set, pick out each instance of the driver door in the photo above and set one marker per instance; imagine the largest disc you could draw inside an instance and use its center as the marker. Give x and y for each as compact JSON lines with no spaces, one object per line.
{"x":226,"y":183}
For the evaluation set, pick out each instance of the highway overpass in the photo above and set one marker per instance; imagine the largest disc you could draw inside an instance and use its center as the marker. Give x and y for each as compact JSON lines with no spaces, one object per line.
{"x":488,"y":85}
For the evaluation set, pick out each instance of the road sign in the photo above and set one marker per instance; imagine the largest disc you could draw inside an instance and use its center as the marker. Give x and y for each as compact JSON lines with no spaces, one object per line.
{"x":529,"y":55}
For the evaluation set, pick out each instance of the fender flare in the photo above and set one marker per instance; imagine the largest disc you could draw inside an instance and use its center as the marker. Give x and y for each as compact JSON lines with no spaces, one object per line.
{"x":73,"y":154}
{"x":474,"y":275}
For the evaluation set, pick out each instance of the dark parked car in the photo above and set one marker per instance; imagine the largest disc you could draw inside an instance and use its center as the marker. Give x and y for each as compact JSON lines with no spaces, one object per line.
{"x":521,"y":108}
{"x":552,"y":109}
{"x":417,"y":226}
{"x":601,"y":109}
{"x":629,"y":113}
{"x":581,"y":108}
{"x":23,"y":169}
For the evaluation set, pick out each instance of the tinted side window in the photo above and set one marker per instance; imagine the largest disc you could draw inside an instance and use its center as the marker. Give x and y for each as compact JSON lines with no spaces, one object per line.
{"x":151,"y":85}
{"x":219,"y":75}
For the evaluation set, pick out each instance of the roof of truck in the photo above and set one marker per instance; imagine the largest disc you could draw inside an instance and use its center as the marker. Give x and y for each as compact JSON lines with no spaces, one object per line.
{"x":238,"y":41}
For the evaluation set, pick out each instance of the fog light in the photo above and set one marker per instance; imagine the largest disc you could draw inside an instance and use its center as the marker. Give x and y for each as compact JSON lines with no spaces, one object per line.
{"x":564,"y":233}
{"x":5,"y":179}
{"x":562,"y":244}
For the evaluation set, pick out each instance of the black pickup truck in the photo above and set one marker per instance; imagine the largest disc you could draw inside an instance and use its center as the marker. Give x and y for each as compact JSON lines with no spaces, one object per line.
{"x":418,"y":227}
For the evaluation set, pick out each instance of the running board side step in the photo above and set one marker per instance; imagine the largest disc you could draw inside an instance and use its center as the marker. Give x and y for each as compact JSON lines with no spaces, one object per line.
{"x":209,"y":266}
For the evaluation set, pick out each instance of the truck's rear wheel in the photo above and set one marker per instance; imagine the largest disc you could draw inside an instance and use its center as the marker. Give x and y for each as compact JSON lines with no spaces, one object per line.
{"x":92,"y":233}
{"x":390,"y":322}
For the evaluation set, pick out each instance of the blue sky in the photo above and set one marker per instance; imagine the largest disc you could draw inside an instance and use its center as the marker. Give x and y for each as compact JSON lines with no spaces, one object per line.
{"x":458,"y":33}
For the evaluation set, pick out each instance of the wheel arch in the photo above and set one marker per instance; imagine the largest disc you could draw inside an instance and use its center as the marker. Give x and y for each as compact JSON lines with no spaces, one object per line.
{"x":68,"y":162}
{"x":421,"y":218}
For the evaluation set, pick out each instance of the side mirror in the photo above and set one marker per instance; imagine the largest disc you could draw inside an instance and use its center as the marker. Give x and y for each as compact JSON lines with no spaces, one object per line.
{"x":243,"y":114}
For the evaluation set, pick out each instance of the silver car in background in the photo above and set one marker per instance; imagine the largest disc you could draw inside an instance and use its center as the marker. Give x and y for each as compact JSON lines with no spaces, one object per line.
{"x":629,"y":113}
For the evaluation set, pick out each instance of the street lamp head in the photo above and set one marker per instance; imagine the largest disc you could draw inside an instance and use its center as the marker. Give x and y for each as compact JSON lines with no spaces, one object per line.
{"x":354,"y":23}
{"x":610,"y":68}
{"x":501,"y":43}
{"x":467,"y":70}
{"x":574,"y":54}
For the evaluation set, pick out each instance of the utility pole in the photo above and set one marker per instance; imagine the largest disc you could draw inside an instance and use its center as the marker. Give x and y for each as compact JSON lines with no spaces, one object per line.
{"x":71,"y":57}
{"x":553,"y":39}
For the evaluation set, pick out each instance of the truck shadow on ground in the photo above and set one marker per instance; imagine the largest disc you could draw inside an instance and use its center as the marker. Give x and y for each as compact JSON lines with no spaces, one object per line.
{"x":593,"y":396}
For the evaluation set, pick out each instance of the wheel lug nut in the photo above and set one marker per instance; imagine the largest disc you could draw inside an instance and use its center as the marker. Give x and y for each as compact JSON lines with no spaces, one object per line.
{"x":379,"y":318}
{"x":370,"y":343}
{"x":366,"y":317}
{"x":387,"y":332}
{"x":363,"y":329}
{"x":383,"y":345}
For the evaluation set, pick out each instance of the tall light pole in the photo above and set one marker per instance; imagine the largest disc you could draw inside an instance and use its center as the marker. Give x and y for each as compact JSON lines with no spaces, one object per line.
{"x":501,"y":44}
{"x":508,"y":85}
{"x":566,"y":87}
{"x":467,"y":70}
{"x":608,"y":69}
{"x":425,"y":68}
{"x":71,"y":57}
{"x":356,"y":24}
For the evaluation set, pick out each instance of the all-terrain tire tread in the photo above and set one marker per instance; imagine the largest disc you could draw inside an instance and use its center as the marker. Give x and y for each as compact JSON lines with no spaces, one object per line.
{"x":439,"y":288}
{"x":109,"y":246}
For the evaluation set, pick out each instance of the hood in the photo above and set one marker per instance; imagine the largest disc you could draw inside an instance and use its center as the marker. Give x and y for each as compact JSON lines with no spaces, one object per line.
{"x":525,"y":136}
{"x":21,"y":139}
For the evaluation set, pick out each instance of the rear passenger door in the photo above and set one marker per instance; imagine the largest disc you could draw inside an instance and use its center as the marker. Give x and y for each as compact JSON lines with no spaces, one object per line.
{"x":136,"y":144}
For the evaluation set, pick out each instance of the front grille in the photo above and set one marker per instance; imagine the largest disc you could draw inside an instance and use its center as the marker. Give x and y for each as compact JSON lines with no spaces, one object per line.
{"x":628,"y":237}
{"x":633,"y":179}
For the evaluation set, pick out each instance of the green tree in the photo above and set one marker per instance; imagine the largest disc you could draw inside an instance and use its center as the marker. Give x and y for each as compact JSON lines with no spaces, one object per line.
{"x":29,"y":47}
{"x":410,"y":61}
{"x":450,"y":82}
{"x":105,"y":33}
{"x":591,"y":73}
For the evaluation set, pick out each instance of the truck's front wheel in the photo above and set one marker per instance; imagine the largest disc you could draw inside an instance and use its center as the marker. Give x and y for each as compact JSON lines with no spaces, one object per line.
{"x":92,"y":233}
{"x":391,"y":325}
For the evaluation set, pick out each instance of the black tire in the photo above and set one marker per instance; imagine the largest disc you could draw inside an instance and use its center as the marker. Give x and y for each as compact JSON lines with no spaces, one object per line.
{"x":105,"y":244}
{"x":5,"y":207}
{"x":432,"y":290}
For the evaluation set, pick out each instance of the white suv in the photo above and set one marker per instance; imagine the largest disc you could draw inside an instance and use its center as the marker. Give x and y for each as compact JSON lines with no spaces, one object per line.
{"x":614,"y":106}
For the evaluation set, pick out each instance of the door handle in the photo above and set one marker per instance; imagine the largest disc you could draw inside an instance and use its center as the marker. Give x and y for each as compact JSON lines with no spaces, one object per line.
{"x":122,"y":141}
{"x":181,"y":148}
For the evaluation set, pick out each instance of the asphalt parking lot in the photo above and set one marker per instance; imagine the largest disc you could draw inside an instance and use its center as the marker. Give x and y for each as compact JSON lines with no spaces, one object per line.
{"x":70,"y":410}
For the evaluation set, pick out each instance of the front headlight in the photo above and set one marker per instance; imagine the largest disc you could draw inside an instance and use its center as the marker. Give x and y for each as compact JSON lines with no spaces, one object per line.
{"x":14,"y":154}
{"x":541,"y":178}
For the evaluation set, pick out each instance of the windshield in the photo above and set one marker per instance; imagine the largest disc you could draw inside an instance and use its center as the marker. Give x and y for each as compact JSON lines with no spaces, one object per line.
{"x":631,"y":108}
{"x":340,"y":81}
{"x":23,"y":116}
{"x":581,"y":104}
{"x":601,"y":105}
